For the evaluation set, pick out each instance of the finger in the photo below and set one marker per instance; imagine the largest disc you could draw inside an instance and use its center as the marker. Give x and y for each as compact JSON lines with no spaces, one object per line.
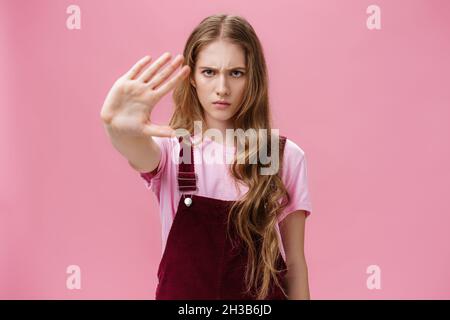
{"x":166,"y":73}
{"x":172,"y":83}
{"x":137,"y":67}
{"x":158,"y":131}
{"x":148,"y":74}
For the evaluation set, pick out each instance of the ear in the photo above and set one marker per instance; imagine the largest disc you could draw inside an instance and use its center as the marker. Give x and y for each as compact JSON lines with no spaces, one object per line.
{"x":192,"y":82}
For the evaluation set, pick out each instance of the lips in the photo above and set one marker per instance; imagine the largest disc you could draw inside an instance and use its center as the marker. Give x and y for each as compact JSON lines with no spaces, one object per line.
{"x":222,"y":103}
{"x":221,"y":106}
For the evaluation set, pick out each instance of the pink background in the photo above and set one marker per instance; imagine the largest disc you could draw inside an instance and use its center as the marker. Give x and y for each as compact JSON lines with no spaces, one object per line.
{"x":369,"y":107}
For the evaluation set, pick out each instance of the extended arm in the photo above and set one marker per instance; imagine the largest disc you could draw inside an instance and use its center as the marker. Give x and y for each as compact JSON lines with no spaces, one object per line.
{"x":292,"y":230}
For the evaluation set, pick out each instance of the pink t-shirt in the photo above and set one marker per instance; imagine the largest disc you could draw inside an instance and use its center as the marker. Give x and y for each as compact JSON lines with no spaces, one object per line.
{"x":215,"y":181}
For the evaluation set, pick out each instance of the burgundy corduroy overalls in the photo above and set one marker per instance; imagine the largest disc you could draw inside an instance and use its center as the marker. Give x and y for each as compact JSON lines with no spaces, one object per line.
{"x":199,"y":261}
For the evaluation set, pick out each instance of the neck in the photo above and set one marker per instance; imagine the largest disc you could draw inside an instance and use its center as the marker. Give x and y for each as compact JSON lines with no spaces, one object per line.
{"x":221,"y":126}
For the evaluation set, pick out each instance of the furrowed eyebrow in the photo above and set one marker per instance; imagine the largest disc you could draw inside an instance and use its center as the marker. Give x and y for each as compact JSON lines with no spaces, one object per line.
{"x":215,"y":69}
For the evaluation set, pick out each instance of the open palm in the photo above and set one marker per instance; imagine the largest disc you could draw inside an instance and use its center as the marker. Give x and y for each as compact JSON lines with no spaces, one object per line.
{"x":129,"y":103}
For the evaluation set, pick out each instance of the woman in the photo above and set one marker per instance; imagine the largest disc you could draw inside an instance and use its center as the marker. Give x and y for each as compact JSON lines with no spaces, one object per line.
{"x":229,"y":232}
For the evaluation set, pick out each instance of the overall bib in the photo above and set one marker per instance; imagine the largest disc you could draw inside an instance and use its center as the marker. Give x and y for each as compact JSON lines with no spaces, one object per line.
{"x":199,"y":261}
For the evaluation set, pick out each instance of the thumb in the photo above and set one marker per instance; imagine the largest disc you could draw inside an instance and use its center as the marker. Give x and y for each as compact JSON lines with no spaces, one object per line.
{"x":158,"y":131}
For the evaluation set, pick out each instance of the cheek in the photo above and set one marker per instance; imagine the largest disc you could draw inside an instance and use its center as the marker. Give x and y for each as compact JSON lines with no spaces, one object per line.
{"x":202,"y":93}
{"x":239,"y":89}
{"x":202,"y":85}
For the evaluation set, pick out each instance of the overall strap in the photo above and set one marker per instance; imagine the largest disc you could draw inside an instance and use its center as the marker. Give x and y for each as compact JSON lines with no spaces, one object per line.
{"x":186,"y":170}
{"x":282,"y":145}
{"x":187,"y":178}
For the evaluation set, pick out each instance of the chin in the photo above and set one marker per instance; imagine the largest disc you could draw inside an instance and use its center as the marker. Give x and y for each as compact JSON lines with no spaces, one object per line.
{"x":220,"y":115}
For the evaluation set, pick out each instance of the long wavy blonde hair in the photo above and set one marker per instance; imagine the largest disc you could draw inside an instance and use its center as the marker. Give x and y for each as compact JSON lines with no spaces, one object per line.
{"x":255,"y":214}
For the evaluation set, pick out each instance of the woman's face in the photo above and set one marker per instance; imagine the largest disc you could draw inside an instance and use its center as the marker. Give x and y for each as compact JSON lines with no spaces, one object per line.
{"x":220,"y":74}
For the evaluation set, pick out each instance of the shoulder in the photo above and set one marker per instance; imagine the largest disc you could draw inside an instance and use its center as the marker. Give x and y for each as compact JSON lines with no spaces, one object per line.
{"x":293,"y":153}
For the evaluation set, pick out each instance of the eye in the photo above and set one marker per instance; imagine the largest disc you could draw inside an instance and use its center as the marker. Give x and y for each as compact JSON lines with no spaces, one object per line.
{"x":240,"y":72}
{"x":236,"y":73}
{"x":206,"y":70}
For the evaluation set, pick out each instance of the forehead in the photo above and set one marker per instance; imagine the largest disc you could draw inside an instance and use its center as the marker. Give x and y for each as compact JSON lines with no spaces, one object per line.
{"x":221,"y":53}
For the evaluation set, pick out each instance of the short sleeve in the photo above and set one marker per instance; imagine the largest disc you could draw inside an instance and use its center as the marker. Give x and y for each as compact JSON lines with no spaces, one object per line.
{"x":153,"y":178}
{"x":295,"y":178}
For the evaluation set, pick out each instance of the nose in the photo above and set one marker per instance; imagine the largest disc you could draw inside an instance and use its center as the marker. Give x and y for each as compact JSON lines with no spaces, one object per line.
{"x":222,"y":86}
